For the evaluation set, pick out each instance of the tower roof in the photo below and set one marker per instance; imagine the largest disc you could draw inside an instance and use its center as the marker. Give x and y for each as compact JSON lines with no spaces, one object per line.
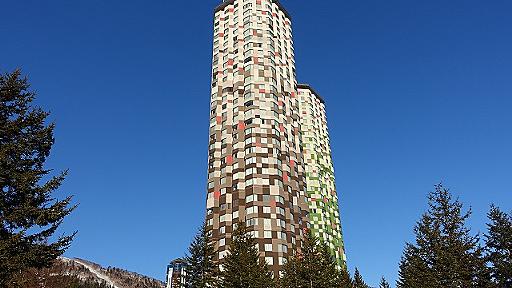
{"x":177,"y":261}
{"x":231,"y":2}
{"x":307,"y":86}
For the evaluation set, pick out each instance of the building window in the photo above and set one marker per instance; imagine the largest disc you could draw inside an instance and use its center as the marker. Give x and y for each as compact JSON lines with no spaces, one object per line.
{"x":252,"y":210}
{"x":282,"y":260}
{"x":251,"y":198}
{"x":252,"y":222}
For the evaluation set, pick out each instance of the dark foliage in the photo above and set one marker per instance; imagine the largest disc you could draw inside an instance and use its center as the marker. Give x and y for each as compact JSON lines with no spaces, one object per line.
{"x":29,"y":215}
{"x":125,"y":278}
{"x":445,"y":255}
{"x":69,"y":273}
{"x":499,"y":246}
{"x":358,"y":280}
{"x":313,"y":266}
{"x":201,"y":271}
{"x":56,"y":276}
{"x":384,"y":283}
{"x":243,"y":266}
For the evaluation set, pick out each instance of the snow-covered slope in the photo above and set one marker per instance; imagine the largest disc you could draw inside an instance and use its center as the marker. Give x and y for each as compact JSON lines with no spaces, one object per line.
{"x":112,"y":277}
{"x":66,"y":272}
{"x":94,"y":270}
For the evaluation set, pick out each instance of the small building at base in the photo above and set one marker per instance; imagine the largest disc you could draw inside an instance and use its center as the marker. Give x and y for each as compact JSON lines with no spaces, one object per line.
{"x":176,"y":274}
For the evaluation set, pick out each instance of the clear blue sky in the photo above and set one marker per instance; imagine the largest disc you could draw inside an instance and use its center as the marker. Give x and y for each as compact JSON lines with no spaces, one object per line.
{"x":418,"y":92}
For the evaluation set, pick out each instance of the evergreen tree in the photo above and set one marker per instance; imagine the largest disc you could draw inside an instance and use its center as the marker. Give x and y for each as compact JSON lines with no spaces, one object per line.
{"x":243,"y":267}
{"x":201,"y":271}
{"x":384,"y":283}
{"x":29,"y":215}
{"x":445,"y":255}
{"x":358,"y":280}
{"x":499,"y":246}
{"x":345,"y":280}
{"x":313,"y":266}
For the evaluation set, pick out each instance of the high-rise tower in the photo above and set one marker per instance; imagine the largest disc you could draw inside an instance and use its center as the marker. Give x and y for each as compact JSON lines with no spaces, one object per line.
{"x":255,"y":160}
{"x":256,"y":165}
{"x":321,"y":193}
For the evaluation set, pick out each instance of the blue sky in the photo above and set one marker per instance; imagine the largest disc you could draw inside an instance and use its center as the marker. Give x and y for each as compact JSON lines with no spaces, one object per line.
{"x":417,"y":92}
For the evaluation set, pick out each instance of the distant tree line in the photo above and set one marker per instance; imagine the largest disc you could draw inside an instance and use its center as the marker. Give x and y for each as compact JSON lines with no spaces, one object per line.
{"x":57,"y":276}
{"x":444,"y":255}
{"x":125,"y":278}
{"x":311,"y":267}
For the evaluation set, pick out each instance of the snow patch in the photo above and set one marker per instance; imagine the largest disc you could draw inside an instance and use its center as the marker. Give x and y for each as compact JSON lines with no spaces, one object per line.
{"x":98,"y":273}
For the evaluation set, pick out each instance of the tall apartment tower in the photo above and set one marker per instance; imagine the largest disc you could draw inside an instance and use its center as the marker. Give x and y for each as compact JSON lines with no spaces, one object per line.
{"x":255,"y":159}
{"x":324,"y":217}
{"x":256,"y":168}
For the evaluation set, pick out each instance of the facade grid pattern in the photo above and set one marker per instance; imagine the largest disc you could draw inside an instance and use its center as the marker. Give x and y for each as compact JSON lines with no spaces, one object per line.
{"x":321,"y":193}
{"x":256,"y":165}
{"x":255,"y":159}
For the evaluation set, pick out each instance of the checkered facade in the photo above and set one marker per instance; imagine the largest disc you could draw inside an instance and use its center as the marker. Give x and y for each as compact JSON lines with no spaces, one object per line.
{"x":255,"y":159}
{"x":321,"y":193}
{"x":256,"y":169}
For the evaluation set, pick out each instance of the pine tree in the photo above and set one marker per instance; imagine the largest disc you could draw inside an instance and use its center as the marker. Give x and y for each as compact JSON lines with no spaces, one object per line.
{"x":313,"y":266}
{"x":445,"y":255}
{"x":201,"y":271}
{"x":29,"y":214}
{"x":345,"y":280}
{"x":243,"y":266}
{"x":384,"y":283}
{"x":358,"y":280}
{"x":499,"y":246}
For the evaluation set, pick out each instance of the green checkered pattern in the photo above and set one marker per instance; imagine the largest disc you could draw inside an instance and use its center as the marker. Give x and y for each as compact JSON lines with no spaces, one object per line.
{"x":324,"y":214}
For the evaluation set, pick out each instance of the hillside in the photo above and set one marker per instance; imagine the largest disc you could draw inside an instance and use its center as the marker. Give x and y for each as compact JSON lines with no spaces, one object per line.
{"x":79,"y":273}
